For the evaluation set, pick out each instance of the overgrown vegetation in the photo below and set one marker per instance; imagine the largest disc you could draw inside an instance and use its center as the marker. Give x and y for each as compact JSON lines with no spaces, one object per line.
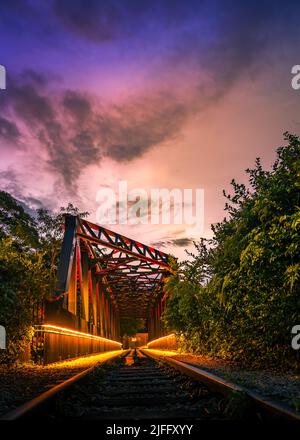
{"x":29,"y":251}
{"x":131,"y":326}
{"x":238,"y":296}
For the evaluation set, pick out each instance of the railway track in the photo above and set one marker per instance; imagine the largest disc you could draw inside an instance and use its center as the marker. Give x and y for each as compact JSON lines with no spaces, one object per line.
{"x":138,"y":387}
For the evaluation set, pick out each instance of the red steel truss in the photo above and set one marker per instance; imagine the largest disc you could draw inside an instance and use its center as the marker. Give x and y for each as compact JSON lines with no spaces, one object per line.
{"x":104,"y":278}
{"x":132,"y":271}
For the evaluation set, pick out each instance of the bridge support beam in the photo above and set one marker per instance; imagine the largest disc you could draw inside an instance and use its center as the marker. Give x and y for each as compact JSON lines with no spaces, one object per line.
{"x":101,"y":275}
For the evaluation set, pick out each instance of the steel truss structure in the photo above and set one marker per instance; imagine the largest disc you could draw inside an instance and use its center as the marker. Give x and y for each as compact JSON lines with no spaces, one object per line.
{"x":104,"y":278}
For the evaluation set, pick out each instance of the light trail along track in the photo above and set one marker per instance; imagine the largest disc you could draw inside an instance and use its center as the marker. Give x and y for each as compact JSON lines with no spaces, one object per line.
{"x":137,"y":387}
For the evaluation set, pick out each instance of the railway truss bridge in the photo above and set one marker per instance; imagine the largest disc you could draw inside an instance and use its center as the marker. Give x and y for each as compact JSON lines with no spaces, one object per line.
{"x":104,"y":280}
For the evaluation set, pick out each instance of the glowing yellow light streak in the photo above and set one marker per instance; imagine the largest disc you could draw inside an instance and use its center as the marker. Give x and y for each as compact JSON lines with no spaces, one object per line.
{"x":80,"y":362}
{"x":162,"y":352}
{"x":50,"y":328}
{"x":172,"y":335}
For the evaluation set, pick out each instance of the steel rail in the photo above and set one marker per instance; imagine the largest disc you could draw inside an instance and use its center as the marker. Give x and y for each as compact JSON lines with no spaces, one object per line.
{"x":42,"y":399}
{"x":278,"y":409}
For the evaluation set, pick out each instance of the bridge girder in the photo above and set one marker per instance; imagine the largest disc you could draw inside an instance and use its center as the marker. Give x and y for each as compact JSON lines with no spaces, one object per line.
{"x":104,"y":275}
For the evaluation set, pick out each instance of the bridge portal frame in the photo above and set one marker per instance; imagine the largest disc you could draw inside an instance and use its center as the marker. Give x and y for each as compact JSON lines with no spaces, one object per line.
{"x":97,"y":269}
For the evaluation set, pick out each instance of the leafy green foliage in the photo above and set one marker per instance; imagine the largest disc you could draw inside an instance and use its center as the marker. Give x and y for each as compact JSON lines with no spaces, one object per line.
{"x":23,"y":283}
{"x":238,"y":297}
{"x":29,"y":250}
{"x":131,"y":326}
{"x":50,"y":233}
{"x":16,"y":223}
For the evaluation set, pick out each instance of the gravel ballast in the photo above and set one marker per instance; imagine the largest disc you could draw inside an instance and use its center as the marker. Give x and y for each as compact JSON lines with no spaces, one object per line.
{"x":23,"y":382}
{"x":284,"y":387}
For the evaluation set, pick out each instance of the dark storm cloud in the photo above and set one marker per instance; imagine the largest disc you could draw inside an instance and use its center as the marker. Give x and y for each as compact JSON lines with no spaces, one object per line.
{"x":100,"y":21}
{"x":219,"y":46}
{"x":30,"y":104}
{"x":77,"y":105}
{"x":123,"y":153}
{"x":32,"y":76}
{"x":76,"y":130}
{"x":67,"y":157}
{"x":86,"y":146}
{"x":9,"y":131}
{"x":11,"y":183}
{"x":8,"y":175}
{"x":93,"y":19}
{"x":246,"y":24}
{"x":180,"y":242}
{"x":142,"y":123}
{"x":231,"y":42}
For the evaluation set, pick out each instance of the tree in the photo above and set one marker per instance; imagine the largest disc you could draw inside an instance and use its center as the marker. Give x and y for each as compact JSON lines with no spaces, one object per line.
{"x":239,"y":296}
{"x":29,"y":251}
{"x":16,"y":223}
{"x":131,"y":326}
{"x":50,"y":232}
{"x":23,"y":277}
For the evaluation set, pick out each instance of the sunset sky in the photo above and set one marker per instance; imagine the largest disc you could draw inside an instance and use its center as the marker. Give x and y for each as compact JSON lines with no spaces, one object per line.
{"x":162,"y":94}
